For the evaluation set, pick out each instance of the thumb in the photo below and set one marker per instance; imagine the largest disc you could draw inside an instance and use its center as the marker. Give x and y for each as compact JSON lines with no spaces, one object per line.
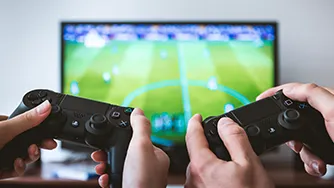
{"x":235,"y":140}
{"x":15,"y":126}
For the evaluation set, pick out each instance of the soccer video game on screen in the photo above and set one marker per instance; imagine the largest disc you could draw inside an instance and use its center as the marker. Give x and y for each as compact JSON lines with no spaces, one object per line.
{"x":171,"y":71}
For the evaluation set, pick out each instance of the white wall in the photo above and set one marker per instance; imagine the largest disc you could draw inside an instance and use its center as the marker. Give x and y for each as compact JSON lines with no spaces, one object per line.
{"x":29,"y":35}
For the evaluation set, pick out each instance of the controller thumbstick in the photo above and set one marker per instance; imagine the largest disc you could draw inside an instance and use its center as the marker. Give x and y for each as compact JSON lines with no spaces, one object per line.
{"x":289,"y":119}
{"x":57,"y":114}
{"x":98,"y":121}
{"x":291,"y":115}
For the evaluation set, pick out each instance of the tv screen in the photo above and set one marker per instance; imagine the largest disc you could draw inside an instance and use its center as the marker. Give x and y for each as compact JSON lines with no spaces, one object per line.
{"x":171,"y":70}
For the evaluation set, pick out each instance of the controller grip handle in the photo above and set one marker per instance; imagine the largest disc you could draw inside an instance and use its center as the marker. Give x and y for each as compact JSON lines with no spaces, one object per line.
{"x":116,"y":158}
{"x":18,"y":146}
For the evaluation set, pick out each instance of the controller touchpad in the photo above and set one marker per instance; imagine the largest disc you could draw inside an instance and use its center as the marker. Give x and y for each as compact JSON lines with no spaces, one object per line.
{"x":252,"y":113}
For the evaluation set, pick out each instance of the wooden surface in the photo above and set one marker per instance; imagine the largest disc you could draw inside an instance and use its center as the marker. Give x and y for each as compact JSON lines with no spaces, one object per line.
{"x":283,"y":177}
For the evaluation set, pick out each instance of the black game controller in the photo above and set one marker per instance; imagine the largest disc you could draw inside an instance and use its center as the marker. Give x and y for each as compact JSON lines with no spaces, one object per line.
{"x":82,"y":121}
{"x":273,"y":121}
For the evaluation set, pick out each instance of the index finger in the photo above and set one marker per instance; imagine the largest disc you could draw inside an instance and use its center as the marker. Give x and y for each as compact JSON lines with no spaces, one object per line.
{"x":273,"y":90}
{"x":318,"y":97}
{"x":197,"y":145}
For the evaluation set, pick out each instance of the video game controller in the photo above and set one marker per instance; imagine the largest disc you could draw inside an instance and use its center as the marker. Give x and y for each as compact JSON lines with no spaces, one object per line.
{"x":82,"y":121}
{"x":273,"y":121}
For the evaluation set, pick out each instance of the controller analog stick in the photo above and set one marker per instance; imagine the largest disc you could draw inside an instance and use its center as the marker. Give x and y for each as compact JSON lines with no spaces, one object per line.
{"x":98,"y":121}
{"x":291,"y":115}
{"x":57,"y":116}
{"x":56,"y":112}
{"x":289,"y":119}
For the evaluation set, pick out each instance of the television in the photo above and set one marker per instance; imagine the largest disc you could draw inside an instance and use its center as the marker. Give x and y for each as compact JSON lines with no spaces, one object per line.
{"x":171,"y":70}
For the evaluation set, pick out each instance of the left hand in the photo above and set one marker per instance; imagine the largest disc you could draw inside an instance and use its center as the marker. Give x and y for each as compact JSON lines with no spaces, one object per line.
{"x":9,"y":128}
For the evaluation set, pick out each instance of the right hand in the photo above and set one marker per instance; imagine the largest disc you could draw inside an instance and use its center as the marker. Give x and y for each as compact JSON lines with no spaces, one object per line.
{"x":320,"y":98}
{"x":206,"y":170}
{"x":145,"y":165}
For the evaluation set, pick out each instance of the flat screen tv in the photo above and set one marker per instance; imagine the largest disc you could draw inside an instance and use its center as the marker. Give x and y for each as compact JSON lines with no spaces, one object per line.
{"x":171,"y":70}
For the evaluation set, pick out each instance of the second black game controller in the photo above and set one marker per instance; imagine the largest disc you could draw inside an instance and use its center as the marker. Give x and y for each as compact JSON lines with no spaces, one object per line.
{"x":73,"y":119}
{"x":273,"y":121}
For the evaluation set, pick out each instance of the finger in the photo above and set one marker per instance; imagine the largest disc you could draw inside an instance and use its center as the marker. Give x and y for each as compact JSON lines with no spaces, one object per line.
{"x":235,"y":140}
{"x":49,"y":144}
{"x":100,"y":168}
{"x":330,"y":90}
{"x":2,"y":118}
{"x":197,"y":145}
{"x":104,"y":181}
{"x":34,"y":153}
{"x":318,"y":97}
{"x":162,"y":157}
{"x":19,"y":167}
{"x":310,"y":170}
{"x":295,"y":146}
{"x":99,"y":156}
{"x":273,"y":90}
{"x":25,"y":121}
{"x":140,"y":124}
{"x":315,"y":163}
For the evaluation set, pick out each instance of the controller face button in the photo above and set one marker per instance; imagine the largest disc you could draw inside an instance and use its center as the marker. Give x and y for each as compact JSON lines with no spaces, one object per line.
{"x":47,"y":98}
{"x":288,"y":102}
{"x":253,"y":130}
{"x":291,"y":115}
{"x":128,"y":110}
{"x":98,"y":121}
{"x":115,"y":115}
{"x":32,"y":96}
{"x":123,"y":123}
{"x":42,"y":94}
{"x":36,"y":102}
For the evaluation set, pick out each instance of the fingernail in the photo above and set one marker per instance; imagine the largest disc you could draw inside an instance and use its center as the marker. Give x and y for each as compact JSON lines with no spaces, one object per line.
{"x":100,"y":180}
{"x":225,"y":121}
{"x":42,"y":108}
{"x":137,"y":111}
{"x":315,"y":167}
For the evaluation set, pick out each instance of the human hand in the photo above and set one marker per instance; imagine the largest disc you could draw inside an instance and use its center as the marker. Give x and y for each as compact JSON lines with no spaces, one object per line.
{"x":145,"y":165}
{"x":206,"y":170}
{"x":9,"y":128}
{"x":320,"y":98}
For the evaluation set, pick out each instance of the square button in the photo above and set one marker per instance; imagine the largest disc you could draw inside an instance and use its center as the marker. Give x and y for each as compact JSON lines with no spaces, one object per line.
{"x":288,"y":102}
{"x":115,"y":115}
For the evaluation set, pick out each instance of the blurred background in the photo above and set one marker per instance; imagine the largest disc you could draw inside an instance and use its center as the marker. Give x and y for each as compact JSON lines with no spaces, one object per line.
{"x":30,"y":44}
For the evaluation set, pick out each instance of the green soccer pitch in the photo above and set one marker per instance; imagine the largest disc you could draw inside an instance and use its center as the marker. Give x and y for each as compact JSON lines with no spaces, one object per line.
{"x":170,"y":81}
